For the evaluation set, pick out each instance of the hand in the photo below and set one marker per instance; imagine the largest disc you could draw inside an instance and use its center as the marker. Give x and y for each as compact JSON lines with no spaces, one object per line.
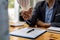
{"x":46,"y":24}
{"x":26,"y":14}
{"x":42,"y":24}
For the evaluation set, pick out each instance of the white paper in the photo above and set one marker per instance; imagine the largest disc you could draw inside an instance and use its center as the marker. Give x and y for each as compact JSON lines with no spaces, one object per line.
{"x":23,"y":32}
{"x":54,"y":28}
{"x":18,"y":23}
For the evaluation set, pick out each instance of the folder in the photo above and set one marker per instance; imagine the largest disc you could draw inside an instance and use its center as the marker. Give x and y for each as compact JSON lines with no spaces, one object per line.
{"x":23,"y":33}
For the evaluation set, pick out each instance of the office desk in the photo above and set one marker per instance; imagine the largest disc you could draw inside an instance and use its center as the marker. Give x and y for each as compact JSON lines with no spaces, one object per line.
{"x":45,"y":36}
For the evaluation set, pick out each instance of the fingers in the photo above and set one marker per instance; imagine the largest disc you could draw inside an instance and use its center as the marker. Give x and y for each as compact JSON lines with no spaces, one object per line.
{"x":46,"y":24}
{"x":25,"y":15}
{"x":30,"y":9}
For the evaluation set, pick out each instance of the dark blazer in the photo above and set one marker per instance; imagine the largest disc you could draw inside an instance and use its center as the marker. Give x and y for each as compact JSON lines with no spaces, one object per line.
{"x":39,"y":13}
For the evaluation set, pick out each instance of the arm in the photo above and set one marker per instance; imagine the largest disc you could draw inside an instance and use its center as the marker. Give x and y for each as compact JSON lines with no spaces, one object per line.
{"x":33,"y":20}
{"x":42,"y":24}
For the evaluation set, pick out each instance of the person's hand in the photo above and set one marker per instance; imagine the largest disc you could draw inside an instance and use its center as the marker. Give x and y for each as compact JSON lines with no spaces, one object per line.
{"x":26,"y":14}
{"x":42,"y":24}
{"x":46,"y":24}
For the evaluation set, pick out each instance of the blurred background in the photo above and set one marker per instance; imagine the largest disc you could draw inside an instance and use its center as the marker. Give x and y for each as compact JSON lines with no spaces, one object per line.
{"x":14,"y":9}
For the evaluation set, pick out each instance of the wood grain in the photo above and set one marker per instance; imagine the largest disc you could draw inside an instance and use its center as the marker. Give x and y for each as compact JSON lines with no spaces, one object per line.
{"x":45,"y":36}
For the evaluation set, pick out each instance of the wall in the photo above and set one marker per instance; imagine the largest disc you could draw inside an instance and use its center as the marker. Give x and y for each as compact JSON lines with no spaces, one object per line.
{"x":35,"y":1}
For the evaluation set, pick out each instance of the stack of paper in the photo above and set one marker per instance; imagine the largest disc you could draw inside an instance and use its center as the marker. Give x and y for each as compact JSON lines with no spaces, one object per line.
{"x":54,"y":29}
{"x":23,"y":32}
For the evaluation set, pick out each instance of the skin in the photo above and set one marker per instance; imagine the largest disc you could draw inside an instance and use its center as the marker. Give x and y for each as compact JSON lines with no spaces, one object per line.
{"x":50,"y":2}
{"x":27,"y":14}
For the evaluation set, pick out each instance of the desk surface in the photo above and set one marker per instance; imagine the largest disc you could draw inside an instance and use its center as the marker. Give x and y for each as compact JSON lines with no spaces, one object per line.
{"x":45,"y":36}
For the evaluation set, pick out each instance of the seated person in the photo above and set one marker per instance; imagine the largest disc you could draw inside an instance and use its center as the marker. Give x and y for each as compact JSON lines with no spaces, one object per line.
{"x":44,"y":13}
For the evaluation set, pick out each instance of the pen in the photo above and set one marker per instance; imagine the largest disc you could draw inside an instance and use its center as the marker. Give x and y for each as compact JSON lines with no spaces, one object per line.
{"x":30,"y":30}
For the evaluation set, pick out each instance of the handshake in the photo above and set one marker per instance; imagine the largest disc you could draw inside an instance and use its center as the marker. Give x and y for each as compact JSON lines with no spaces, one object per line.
{"x":26,"y":15}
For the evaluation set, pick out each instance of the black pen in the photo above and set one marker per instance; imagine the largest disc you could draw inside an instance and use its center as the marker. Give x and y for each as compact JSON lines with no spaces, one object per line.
{"x":30,"y":30}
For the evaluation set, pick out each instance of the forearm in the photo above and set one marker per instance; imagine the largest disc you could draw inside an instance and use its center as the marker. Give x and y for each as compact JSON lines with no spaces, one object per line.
{"x":42,"y":24}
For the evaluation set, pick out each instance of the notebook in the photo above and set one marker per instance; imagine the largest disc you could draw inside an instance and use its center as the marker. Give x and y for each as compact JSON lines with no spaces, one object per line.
{"x":24,"y":32}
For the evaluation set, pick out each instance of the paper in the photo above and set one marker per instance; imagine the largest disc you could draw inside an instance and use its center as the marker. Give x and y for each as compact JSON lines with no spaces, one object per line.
{"x":18,"y":24}
{"x":54,"y":28}
{"x":23,"y":32}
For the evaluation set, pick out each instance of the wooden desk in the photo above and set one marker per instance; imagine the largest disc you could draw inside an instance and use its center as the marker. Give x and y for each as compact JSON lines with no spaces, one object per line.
{"x":45,"y":36}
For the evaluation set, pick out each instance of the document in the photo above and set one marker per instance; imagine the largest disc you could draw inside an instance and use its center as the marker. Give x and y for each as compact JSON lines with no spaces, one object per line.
{"x":18,"y":24}
{"x":28,"y":32}
{"x":54,"y":29}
